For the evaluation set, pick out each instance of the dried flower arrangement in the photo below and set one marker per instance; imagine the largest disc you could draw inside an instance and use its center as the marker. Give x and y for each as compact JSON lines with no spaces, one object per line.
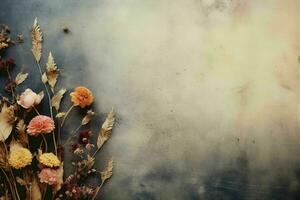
{"x":34,"y":173}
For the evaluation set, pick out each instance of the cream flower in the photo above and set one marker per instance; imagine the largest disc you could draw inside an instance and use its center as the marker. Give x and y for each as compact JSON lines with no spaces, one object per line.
{"x":29,"y":98}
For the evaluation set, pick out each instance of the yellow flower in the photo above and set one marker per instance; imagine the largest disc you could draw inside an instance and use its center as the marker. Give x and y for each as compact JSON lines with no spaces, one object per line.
{"x":19,"y":156}
{"x":49,"y":160}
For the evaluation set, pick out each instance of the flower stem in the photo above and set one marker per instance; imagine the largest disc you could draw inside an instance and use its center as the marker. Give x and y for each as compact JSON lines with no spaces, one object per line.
{"x":50,"y":105}
{"x":11,"y":88}
{"x":97,"y":191}
{"x":9,"y":183}
{"x":72,"y":134}
{"x":45,"y":141}
{"x":37,"y":112}
{"x":12,"y":175}
{"x":65,"y":117}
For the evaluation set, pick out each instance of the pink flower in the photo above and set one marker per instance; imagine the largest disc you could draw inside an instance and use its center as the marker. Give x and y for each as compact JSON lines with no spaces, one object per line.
{"x":29,"y":98}
{"x":40,"y":124}
{"x":48,"y":176}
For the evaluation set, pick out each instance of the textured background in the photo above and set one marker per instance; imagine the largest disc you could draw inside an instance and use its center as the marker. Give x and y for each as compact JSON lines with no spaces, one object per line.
{"x":207,"y":91}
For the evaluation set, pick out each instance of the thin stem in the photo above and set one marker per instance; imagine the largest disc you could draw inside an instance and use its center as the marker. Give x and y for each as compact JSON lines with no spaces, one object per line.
{"x":45,"y":141}
{"x":9,"y":183}
{"x":97,"y":190}
{"x":36,"y":110}
{"x":50,"y":105}
{"x":11,"y":88}
{"x":72,"y":134}
{"x":11,"y":173}
{"x":65,"y":117}
{"x":96,"y":152}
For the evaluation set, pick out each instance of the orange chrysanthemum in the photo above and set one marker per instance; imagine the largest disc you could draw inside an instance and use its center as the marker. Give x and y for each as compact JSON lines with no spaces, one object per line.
{"x":82,"y":97}
{"x":40,"y":124}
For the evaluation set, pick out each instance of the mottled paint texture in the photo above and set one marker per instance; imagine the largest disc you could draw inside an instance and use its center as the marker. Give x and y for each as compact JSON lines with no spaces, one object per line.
{"x":206,"y":91}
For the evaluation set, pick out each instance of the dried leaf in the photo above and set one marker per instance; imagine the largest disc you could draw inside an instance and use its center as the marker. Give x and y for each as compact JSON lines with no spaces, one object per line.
{"x":41,"y":95}
{"x":3,"y":159}
{"x":44,"y":78}
{"x":37,"y":39}
{"x":106,"y":129}
{"x":108,"y":171}
{"x":60,"y":115}
{"x":88,"y":117}
{"x":3,"y":45}
{"x":89,"y":162}
{"x":35,"y":190}
{"x":60,"y":174}
{"x":20,"y":181}
{"x":6,"y":121}
{"x":52,"y":71}
{"x":23,"y":137}
{"x":56,"y":99}
{"x":21,"y":77}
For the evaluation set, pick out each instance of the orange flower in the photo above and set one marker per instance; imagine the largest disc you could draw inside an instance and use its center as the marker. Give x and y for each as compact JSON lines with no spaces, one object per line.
{"x":82,"y":97}
{"x":40,"y":124}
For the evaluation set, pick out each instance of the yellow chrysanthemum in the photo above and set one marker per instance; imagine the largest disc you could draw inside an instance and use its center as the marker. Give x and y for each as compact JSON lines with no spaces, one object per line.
{"x":49,"y":160}
{"x":19,"y":157}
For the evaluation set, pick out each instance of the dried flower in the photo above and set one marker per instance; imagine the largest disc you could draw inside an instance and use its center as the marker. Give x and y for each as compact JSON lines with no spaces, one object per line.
{"x":48,"y":176}
{"x":84,"y":136}
{"x":6,"y":63}
{"x":10,"y":86}
{"x":29,"y":98}
{"x":40,"y":124}
{"x":49,"y":159}
{"x":19,"y":156}
{"x":7,"y":118}
{"x":82,"y":97}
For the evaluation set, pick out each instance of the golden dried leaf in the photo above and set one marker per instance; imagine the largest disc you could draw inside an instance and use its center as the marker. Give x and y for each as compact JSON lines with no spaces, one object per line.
{"x":44,"y":78}
{"x":52,"y":71}
{"x":88,"y":117}
{"x":21,"y":77}
{"x":108,"y":171}
{"x":3,"y":45}
{"x":89,"y":162}
{"x":56,"y":99}
{"x":106,"y":129}
{"x":37,"y":39}
{"x":23,"y":137}
{"x":60,"y":174}
{"x":41,"y":95}
{"x":60,"y":115}
{"x":35,"y":190}
{"x":7,"y":119}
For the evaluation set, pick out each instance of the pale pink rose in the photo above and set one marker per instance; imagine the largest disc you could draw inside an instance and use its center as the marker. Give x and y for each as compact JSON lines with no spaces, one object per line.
{"x":29,"y":98}
{"x":48,"y":176}
{"x":40,"y":124}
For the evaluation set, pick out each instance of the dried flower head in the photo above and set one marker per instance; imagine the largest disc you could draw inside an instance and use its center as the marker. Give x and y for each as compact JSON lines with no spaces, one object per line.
{"x":49,"y":159}
{"x":10,"y":86}
{"x":48,"y":176}
{"x":19,"y":156}
{"x":29,"y":98}
{"x":6,"y":63}
{"x":84,"y":137}
{"x":82,"y":97}
{"x":40,"y":124}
